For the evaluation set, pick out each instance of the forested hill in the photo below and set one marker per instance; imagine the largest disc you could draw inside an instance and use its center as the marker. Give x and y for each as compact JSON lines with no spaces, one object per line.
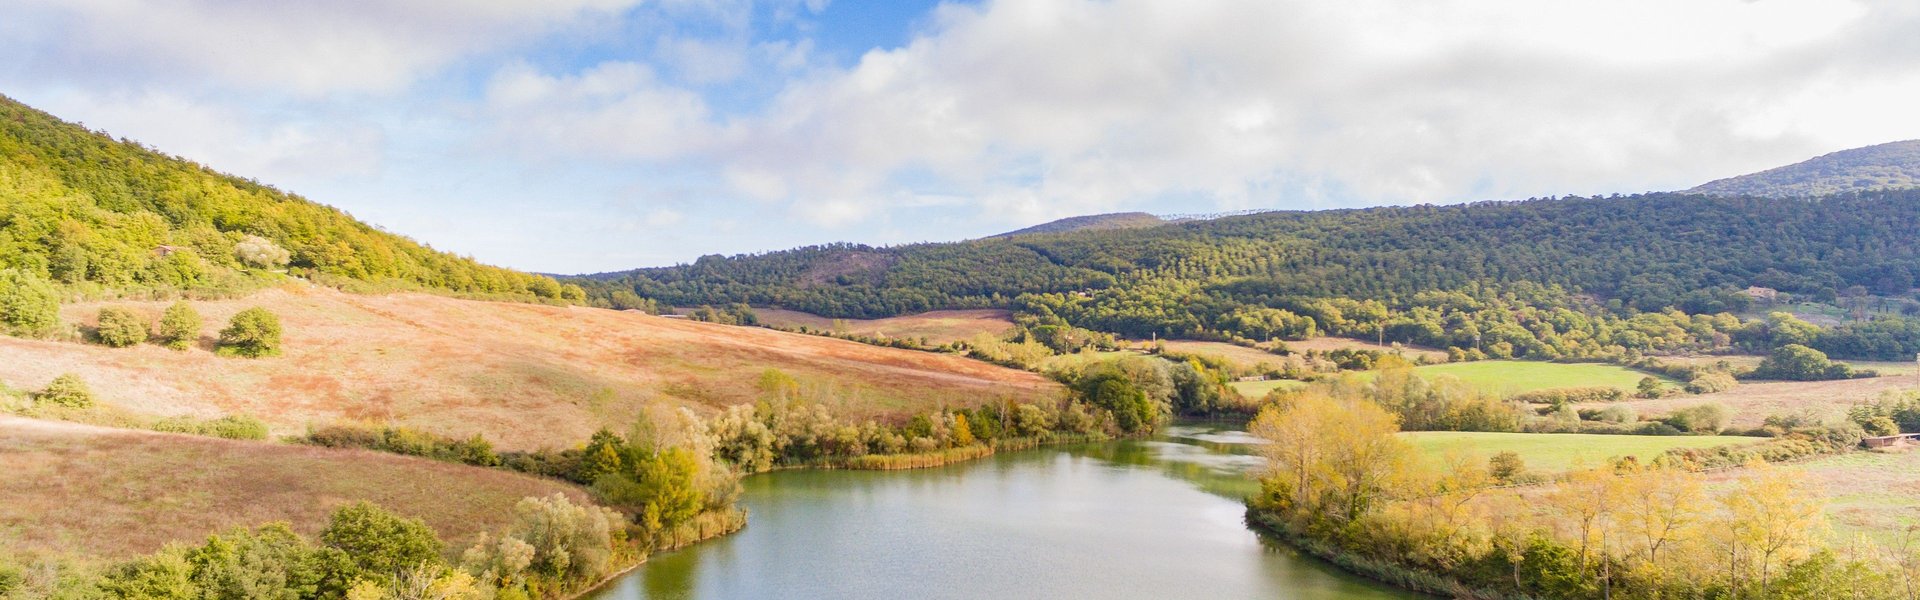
{"x":1616,"y":255}
{"x":1126,"y":220}
{"x":1885,"y":166}
{"x":83,"y":209}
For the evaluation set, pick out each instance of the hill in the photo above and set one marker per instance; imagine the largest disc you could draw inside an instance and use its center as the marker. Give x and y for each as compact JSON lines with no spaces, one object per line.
{"x":524,"y":375}
{"x":1539,"y":278}
{"x":1885,"y":166}
{"x":108,"y":216}
{"x":116,"y":493}
{"x":1126,"y":220}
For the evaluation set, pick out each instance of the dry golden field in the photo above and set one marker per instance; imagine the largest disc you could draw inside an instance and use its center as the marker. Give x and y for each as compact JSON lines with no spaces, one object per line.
{"x":938,"y":327}
{"x":1752,"y":402}
{"x":526,"y":376}
{"x":112,"y":493}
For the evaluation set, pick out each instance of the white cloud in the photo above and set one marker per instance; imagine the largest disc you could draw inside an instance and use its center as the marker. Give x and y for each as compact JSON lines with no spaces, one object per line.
{"x":1043,"y":108}
{"x":613,"y":111}
{"x":306,"y":47}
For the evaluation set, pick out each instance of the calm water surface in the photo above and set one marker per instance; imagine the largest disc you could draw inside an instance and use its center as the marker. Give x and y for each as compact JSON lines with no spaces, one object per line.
{"x":1157,"y":519}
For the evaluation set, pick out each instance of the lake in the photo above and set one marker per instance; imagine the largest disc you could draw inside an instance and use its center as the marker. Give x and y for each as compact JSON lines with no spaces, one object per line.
{"x":1158,"y":518}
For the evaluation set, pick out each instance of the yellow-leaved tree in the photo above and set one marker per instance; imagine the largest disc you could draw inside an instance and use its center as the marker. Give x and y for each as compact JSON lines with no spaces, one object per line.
{"x":1330,"y":458}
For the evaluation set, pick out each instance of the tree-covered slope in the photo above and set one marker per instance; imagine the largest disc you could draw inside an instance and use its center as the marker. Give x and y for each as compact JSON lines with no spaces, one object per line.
{"x":1885,"y":166}
{"x":1551,"y":277}
{"x":1648,"y":252}
{"x":81,"y":208}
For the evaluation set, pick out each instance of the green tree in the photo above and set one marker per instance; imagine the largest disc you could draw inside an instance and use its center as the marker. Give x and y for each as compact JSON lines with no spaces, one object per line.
{"x":1507,"y":466}
{"x":120,"y":327}
{"x":1651,"y":388}
{"x":1795,"y":362}
{"x":179,"y":326}
{"x":380,"y":543}
{"x":253,"y":333}
{"x":29,"y":306}
{"x":67,"y":390}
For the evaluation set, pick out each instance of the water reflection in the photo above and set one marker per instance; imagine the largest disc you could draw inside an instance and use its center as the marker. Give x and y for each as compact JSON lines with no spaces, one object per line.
{"x":1157,"y":518}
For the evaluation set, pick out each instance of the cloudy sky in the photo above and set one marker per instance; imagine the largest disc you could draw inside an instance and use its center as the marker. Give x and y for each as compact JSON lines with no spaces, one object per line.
{"x":587,"y":135}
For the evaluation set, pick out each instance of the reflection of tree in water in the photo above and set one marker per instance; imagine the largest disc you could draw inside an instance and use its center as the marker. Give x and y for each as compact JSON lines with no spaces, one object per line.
{"x":1211,"y":476}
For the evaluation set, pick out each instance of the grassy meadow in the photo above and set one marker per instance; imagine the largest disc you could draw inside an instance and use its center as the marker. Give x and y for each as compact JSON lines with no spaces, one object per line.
{"x":114,"y":493}
{"x":1869,"y":493}
{"x":1554,"y":452}
{"x":526,"y":376}
{"x":938,"y":327}
{"x":1519,"y":376}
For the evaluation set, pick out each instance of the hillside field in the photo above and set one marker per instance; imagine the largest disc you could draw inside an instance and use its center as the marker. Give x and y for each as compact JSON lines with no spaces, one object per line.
{"x":1870,"y":493}
{"x":525,"y":376}
{"x":1554,"y":452}
{"x":1752,"y":402}
{"x":1520,"y":376}
{"x":937,"y":327}
{"x":114,"y":493}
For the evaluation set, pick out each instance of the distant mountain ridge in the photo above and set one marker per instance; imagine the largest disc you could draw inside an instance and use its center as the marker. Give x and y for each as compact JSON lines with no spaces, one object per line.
{"x":1102,"y":222}
{"x":1885,"y":166}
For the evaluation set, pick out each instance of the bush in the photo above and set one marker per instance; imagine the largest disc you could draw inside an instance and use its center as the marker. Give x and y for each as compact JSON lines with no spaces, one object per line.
{"x":1650,"y":388}
{"x":1506,"y":467}
{"x":233,"y":427}
{"x":67,"y":390}
{"x":1794,"y":362}
{"x":1704,"y":418}
{"x":179,"y":326}
{"x":1708,"y":383}
{"x":120,"y":327}
{"x":380,"y":543}
{"x":254,"y":333}
{"x":1573,"y":395}
{"x":262,"y":253}
{"x":29,"y":306}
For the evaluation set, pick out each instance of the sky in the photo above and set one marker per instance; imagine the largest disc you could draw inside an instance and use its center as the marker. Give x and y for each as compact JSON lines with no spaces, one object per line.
{"x":574,"y":136}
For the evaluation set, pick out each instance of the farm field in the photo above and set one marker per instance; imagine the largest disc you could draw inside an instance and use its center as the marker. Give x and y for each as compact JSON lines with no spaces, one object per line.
{"x":116,"y":493}
{"x":525,"y":376}
{"x":1553,"y":452}
{"x":1241,"y":357}
{"x":938,"y":327}
{"x":1745,"y":361}
{"x":1327,"y":344}
{"x":1518,"y":376}
{"x":1260,"y":389}
{"x":1870,"y":493}
{"x":1752,"y":402}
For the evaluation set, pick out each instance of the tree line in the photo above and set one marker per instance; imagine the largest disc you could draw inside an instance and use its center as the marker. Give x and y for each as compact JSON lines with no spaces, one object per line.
{"x":1480,"y":277}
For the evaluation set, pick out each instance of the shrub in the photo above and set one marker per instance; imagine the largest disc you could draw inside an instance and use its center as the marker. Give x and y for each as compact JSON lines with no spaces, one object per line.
{"x":67,"y":390}
{"x":1704,"y":418}
{"x":179,"y":326}
{"x":380,"y":543}
{"x":1506,"y":467}
{"x":1650,"y":388}
{"x":1794,"y":362}
{"x":1573,"y":395}
{"x":261,"y":253}
{"x":1712,"y":382}
{"x":120,"y":327}
{"x":1880,"y":425}
{"x":29,"y":306}
{"x":253,"y":333}
{"x":232,"y":427}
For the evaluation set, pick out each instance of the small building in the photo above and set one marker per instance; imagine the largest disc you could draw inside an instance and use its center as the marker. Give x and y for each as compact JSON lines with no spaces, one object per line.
{"x":1888,"y":440}
{"x":164,"y":251}
{"x":1762,"y":293}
